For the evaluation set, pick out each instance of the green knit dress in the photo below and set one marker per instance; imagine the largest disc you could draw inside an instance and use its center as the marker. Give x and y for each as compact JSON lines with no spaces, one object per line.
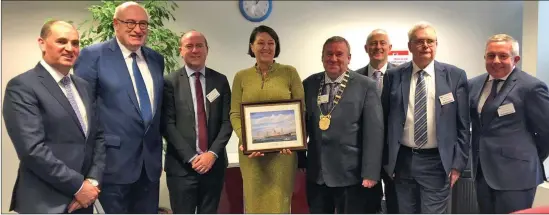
{"x":268,"y":181}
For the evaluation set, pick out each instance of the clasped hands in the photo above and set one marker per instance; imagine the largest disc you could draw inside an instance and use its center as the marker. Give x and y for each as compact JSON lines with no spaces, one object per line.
{"x":261,"y":154}
{"x":85,"y":197}
{"x":203,"y":162}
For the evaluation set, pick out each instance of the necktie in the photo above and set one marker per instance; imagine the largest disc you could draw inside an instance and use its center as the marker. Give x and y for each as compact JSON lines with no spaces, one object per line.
{"x":144,"y":101}
{"x":420,"y":111}
{"x":329,"y":89}
{"x":377,"y":78}
{"x":201,"y":115}
{"x":493,"y":92}
{"x":66,"y":83}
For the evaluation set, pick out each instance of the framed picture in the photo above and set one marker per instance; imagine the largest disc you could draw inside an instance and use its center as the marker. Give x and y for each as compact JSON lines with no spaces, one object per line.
{"x":273,"y":126}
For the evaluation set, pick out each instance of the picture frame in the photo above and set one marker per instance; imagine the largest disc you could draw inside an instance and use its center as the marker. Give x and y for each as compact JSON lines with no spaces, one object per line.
{"x":273,"y":126}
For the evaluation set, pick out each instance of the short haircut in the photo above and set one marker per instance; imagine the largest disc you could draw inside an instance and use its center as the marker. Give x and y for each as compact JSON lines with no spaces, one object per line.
{"x":46,"y":28}
{"x":419,"y":26}
{"x":376,"y":32}
{"x":264,"y":29}
{"x":336,"y":39}
{"x":505,"y":38}
{"x":192,"y":30}
{"x":120,"y":7}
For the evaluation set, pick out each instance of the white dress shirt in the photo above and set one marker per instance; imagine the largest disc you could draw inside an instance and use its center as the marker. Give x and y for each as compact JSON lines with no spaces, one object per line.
{"x":487,"y":89}
{"x":429,"y":78}
{"x":143,"y":68}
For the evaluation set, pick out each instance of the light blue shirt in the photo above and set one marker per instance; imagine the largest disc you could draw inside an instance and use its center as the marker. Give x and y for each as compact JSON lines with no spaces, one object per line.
{"x":192,"y":79}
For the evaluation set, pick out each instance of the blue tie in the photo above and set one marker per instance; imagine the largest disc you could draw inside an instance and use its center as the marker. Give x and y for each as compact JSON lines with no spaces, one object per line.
{"x":144,"y":102}
{"x":420,"y":111}
{"x":66,"y":83}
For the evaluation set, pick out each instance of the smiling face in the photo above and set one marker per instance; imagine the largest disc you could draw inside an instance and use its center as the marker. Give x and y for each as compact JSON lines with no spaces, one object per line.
{"x":499,"y":58}
{"x":336,"y":58}
{"x":194,"y":50}
{"x":378,"y":47}
{"x":131,"y":26}
{"x":61,"y":47}
{"x":264,"y":47}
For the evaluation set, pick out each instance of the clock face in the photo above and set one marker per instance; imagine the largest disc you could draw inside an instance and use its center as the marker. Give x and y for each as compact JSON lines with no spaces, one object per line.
{"x":256,"y":10}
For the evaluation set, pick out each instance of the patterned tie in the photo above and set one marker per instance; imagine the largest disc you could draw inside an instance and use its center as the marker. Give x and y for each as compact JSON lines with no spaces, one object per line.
{"x":420,"y":111}
{"x":66,"y":83}
{"x":330,"y":89}
{"x":201,"y":114}
{"x":144,"y":102}
{"x":378,"y":78}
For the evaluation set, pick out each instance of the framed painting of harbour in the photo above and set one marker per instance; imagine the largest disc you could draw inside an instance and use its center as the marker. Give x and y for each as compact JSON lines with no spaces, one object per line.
{"x":273,"y":126}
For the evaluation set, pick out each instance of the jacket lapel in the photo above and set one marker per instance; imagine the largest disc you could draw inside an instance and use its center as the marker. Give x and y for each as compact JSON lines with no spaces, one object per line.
{"x":405,"y":79}
{"x":315,"y":85}
{"x":209,"y":87}
{"x":476,"y":91}
{"x":491,"y":109}
{"x":85,"y":99}
{"x":55,"y":90}
{"x":156,"y":75}
{"x":442,"y":87}
{"x":185,"y":91}
{"x":118,"y":63}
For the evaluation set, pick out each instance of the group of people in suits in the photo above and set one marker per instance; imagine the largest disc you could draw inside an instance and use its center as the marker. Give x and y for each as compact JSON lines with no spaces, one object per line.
{"x":97,"y":134}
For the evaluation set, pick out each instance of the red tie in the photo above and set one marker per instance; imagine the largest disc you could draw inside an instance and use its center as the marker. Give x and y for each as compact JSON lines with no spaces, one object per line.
{"x":201,"y":114}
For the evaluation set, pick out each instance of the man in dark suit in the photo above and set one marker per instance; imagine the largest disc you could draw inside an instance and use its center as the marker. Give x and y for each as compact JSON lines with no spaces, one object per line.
{"x":426,"y":110}
{"x":127,"y":82}
{"x":50,"y":118}
{"x":378,"y":45}
{"x":196,"y":116}
{"x":344,"y":124}
{"x":510,"y":120}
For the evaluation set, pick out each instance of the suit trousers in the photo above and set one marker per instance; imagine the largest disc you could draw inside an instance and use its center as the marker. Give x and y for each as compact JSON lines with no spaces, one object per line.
{"x":492,"y":201}
{"x":137,"y":198}
{"x":421,"y":183}
{"x":389,"y":192}
{"x":196,"y":193}
{"x":354,"y":199}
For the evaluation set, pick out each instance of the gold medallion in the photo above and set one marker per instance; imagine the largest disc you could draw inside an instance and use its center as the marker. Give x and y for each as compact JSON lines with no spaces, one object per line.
{"x":324,"y":122}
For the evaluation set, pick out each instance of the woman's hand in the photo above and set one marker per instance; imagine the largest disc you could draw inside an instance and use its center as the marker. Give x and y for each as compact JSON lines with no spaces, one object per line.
{"x":286,"y":152}
{"x":254,"y":154}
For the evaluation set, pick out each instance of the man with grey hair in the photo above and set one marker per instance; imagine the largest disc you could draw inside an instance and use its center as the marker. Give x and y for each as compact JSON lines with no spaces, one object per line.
{"x":510,"y":121}
{"x":378,"y":45}
{"x":126,"y":80}
{"x":426,"y":112}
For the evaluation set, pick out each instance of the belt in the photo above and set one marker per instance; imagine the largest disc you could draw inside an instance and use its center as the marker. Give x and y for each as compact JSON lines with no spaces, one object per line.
{"x":420,"y":151}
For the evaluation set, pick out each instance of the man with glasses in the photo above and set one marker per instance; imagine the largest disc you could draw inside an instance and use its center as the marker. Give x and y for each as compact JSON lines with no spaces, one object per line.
{"x":378,"y":47}
{"x":426,"y":108}
{"x":126,"y":80}
{"x":196,"y":136}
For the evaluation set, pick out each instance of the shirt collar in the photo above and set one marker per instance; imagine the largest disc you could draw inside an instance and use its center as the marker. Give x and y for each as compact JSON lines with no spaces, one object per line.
{"x":490,"y":78}
{"x":338,"y":80}
{"x":190,"y":71}
{"x":126,"y":53}
{"x":429,"y":69}
{"x":371,"y":69}
{"x":57,"y":76}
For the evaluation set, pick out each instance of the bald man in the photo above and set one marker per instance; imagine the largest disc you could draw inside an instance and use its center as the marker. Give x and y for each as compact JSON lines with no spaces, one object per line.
{"x":127,"y":82}
{"x":50,"y":118}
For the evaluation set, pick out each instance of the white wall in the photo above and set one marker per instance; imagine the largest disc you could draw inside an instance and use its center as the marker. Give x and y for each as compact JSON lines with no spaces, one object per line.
{"x":302,"y":26}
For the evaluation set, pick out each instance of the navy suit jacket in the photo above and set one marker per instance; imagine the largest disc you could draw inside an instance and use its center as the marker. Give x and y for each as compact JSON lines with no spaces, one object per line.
{"x":55,"y":155}
{"x":351,"y":149}
{"x":452,"y":120}
{"x":130,"y":143}
{"x":511,"y":147}
{"x":364,"y":70}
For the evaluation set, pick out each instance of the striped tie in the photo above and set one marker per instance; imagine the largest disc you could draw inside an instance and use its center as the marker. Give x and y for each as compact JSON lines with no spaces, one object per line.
{"x":420,"y":111}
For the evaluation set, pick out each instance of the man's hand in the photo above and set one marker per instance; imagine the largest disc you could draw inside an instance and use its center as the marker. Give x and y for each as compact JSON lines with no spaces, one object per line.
{"x":74,"y":206}
{"x":203,"y":162}
{"x":368,"y":183}
{"x":454,"y":176}
{"x":87,"y":195}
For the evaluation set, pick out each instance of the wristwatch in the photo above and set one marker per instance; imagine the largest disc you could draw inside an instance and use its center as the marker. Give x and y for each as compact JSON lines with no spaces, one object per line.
{"x":93,"y":182}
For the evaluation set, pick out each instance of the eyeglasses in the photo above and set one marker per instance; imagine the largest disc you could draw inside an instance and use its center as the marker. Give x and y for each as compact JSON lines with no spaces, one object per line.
{"x":132,"y":24}
{"x":420,"y":42}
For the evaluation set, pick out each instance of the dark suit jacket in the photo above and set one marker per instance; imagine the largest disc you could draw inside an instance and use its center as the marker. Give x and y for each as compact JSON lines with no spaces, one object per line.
{"x":364,"y":70}
{"x":351,"y":149}
{"x":452,"y":120}
{"x":507,"y":145}
{"x":55,"y":155}
{"x":178,"y":120}
{"x":130,"y":143}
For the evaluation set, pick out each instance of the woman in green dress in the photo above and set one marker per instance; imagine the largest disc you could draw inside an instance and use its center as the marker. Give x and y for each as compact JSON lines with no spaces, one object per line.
{"x":268,"y":179}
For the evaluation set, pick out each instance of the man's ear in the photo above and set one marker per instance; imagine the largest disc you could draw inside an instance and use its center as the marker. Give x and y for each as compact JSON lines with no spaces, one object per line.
{"x":42,"y":44}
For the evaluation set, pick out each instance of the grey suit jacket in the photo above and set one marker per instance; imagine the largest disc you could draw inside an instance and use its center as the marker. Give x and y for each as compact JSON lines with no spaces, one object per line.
{"x":452,"y":120}
{"x":55,"y":154}
{"x":351,"y":149}
{"x":511,"y":147}
{"x":178,"y":121}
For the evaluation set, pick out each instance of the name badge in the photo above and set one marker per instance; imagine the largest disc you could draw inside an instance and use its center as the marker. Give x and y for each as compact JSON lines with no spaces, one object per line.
{"x":446,"y":98}
{"x":323,"y":99}
{"x":212,"y":95}
{"x":506,"y":109}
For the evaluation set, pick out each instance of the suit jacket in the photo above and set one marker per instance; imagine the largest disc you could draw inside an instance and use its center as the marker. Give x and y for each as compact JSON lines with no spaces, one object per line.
{"x":511,"y":147}
{"x":55,"y":154}
{"x":130,"y":143}
{"x":364,"y":70}
{"x":452,"y":120}
{"x":351,"y":149}
{"x":178,"y":120}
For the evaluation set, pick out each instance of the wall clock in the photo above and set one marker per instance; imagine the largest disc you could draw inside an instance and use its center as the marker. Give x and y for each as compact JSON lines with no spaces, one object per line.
{"x":255,"y":10}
